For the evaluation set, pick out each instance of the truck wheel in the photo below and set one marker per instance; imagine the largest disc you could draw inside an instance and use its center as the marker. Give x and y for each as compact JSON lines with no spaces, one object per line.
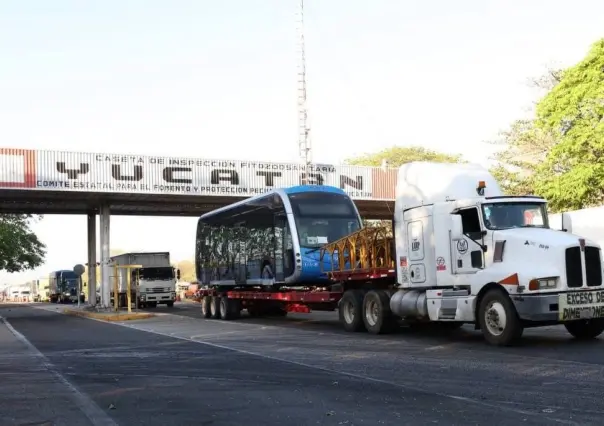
{"x":498,"y":319}
{"x":215,"y":307}
{"x":585,"y":329}
{"x":206,"y":301}
{"x":376,"y":312}
{"x":350,"y":310}
{"x":225,"y":308}
{"x":170,"y":304}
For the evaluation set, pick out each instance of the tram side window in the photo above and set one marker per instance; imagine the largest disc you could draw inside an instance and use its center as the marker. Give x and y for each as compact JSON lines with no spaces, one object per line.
{"x":260,"y":243}
{"x":203,"y":252}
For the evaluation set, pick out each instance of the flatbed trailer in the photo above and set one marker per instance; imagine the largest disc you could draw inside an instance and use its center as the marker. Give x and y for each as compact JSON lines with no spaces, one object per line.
{"x":368,"y":250}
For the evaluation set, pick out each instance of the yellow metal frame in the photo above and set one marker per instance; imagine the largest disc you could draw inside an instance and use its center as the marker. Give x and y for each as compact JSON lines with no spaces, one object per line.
{"x":116,"y":300}
{"x":366,"y":249}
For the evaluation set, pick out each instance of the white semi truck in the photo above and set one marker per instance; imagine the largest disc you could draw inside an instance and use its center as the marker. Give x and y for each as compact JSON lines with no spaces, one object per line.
{"x":152,"y":284}
{"x":466,"y":253}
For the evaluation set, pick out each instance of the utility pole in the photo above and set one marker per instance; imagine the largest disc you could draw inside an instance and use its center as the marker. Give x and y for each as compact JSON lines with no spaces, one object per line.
{"x":304,"y":143}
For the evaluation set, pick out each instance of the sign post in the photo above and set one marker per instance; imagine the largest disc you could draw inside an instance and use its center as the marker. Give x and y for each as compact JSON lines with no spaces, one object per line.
{"x":79,"y":270}
{"x":128,"y":269}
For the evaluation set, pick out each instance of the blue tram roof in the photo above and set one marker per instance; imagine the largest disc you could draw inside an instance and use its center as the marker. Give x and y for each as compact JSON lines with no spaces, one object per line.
{"x":291,"y":190}
{"x":313,"y":188}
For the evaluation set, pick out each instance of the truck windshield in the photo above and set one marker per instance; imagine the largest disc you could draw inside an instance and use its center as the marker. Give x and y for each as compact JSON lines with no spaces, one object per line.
{"x":164,"y":273}
{"x":515,"y":215}
{"x":322,"y":218}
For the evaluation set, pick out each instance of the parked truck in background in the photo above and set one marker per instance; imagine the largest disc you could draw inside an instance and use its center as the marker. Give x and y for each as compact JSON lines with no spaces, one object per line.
{"x":64,"y":287}
{"x":152,"y":284}
{"x":462,"y":252}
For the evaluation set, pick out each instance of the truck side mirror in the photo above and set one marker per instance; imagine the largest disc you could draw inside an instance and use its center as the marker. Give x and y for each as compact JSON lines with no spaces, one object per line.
{"x":567,"y":223}
{"x":456,"y":227}
{"x":178,"y":274}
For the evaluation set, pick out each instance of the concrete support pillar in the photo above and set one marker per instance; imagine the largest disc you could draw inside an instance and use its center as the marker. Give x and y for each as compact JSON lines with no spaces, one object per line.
{"x":105,"y":254}
{"x":92,"y":259}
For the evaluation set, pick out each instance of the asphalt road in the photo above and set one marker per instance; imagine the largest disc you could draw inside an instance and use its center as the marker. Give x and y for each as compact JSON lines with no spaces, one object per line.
{"x":179,"y":369}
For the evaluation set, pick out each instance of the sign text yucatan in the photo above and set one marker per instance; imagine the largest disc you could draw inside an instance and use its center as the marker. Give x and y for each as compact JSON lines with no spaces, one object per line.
{"x":100,"y":172}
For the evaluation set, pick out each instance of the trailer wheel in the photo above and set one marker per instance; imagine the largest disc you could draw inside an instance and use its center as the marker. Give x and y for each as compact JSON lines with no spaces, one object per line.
{"x":376,"y":312}
{"x":215,"y":307}
{"x":498,"y":319}
{"x":226,"y":308}
{"x":350,"y":310}
{"x":206,"y":301}
{"x":585,"y":329}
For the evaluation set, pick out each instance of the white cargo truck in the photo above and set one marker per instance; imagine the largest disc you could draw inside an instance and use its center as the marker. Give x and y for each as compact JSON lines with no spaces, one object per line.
{"x":466,"y":253}
{"x":152,"y":284}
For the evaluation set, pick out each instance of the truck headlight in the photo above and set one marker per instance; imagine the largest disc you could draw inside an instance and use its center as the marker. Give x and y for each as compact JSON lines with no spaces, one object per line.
{"x":548,"y":283}
{"x":543,"y":283}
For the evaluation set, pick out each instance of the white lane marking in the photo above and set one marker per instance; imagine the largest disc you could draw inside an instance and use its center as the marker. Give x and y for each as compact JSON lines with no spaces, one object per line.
{"x":86,"y":405}
{"x":355,"y":376}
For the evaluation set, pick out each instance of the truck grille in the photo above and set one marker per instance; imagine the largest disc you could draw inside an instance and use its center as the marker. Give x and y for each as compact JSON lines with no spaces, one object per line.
{"x":574,"y":276}
{"x":157,"y":290}
{"x":593,"y":267}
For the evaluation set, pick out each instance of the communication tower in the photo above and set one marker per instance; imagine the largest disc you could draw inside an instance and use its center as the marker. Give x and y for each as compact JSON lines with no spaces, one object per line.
{"x":304,"y":143}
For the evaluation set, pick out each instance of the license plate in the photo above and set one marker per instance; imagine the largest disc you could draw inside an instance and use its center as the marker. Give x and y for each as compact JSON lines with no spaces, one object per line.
{"x":579,"y":305}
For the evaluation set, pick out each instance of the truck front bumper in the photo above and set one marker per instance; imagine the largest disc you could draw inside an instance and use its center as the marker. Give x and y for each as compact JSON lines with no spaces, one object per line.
{"x":546,"y":307}
{"x":536,"y":307}
{"x":157,"y":297}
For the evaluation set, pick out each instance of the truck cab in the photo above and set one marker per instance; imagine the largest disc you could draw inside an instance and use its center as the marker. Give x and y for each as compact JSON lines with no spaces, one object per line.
{"x":469,"y":254}
{"x":157,"y":285}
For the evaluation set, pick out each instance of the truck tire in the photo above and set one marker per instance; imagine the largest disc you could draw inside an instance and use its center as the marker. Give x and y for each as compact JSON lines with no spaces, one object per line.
{"x":377,"y":316}
{"x":206,"y":301}
{"x":215,"y":307}
{"x":498,"y":319}
{"x":350,"y":311}
{"x":585,"y":329}
{"x":170,"y":304}
{"x":226,"y":308}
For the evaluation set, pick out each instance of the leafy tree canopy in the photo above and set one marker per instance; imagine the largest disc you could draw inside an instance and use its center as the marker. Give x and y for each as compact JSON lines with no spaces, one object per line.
{"x":525,"y":147}
{"x":572,"y":175}
{"x":399,"y":155}
{"x":20,"y":248}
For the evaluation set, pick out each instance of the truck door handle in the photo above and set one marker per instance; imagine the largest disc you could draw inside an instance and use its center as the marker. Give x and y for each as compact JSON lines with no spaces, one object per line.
{"x":459,"y":263}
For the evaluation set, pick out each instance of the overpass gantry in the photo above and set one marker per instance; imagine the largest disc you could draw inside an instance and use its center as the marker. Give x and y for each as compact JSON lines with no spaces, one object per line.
{"x":101,"y":184}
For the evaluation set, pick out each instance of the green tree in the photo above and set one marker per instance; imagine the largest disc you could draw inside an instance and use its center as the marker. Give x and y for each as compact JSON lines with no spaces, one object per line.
{"x":20,"y":248}
{"x":572,"y":175}
{"x":399,"y":155}
{"x":526,"y":146}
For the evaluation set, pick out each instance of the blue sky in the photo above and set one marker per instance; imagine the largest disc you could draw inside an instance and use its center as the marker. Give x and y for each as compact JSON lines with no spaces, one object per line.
{"x":218,"y":79}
